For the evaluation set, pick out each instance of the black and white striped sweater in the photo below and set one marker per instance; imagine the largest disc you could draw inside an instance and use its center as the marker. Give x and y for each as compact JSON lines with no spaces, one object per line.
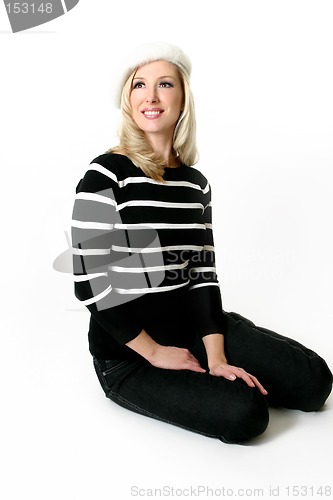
{"x":143,"y":256}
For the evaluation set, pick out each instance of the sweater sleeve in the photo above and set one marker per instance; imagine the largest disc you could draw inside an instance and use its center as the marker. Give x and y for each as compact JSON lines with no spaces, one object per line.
{"x":204,"y":288}
{"x":93,"y":236}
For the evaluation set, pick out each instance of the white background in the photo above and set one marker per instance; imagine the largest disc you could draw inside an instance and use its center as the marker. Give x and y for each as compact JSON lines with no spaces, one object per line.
{"x":262,"y":80}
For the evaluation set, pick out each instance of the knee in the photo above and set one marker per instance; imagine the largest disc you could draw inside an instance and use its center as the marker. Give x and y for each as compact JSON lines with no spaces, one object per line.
{"x":318,"y":386}
{"x":309,"y":388}
{"x":248,"y":420}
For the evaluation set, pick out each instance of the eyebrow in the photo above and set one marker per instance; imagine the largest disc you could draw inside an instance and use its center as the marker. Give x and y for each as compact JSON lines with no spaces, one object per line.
{"x":142,"y":78}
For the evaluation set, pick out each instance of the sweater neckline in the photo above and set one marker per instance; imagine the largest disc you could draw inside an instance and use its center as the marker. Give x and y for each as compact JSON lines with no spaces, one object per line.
{"x":167,"y":170}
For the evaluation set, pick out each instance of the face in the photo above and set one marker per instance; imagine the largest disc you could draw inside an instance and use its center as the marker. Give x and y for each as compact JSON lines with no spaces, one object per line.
{"x":156,"y":98}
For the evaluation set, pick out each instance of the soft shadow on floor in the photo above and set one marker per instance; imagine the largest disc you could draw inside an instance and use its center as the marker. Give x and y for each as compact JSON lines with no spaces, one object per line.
{"x":281,"y":421}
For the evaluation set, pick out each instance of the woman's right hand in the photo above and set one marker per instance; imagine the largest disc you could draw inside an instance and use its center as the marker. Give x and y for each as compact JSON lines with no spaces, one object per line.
{"x":175,"y":358}
{"x":168,"y":357}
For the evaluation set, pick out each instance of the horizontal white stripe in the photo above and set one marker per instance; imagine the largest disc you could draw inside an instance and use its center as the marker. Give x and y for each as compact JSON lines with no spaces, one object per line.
{"x":159,"y":204}
{"x":95,"y":197}
{"x":208,"y":205}
{"x":203,"y":284}
{"x":91,"y":251}
{"x":204,"y":269}
{"x":103,"y":170}
{"x":119,"y":269}
{"x":150,"y":290}
{"x":98,"y":297}
{"x":87,"y":277}
{"x":148,"y":180}
{"x":209,"y":226}
{"x":158,"y":225}
{"x":91,"y":225}
{"x":117,"y":248}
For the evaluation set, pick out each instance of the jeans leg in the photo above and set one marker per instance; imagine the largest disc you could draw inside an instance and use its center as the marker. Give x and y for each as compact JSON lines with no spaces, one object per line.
{"x":212,"y":406}
{"x":294,"y":376}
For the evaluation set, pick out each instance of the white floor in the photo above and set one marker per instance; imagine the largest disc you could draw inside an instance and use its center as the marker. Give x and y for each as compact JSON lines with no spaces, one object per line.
{"x":62,"y":439}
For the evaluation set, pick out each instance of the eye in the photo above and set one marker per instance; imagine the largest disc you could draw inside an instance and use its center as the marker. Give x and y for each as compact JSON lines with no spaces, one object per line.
{"x":138,"y":85}
{"x":166,"y":85}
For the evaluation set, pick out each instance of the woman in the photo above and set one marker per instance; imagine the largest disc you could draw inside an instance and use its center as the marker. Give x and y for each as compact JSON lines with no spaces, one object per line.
{"x":144,"y":266}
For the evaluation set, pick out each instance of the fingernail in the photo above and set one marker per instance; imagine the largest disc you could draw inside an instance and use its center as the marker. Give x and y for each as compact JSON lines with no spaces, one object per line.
{"x":232,"y":377}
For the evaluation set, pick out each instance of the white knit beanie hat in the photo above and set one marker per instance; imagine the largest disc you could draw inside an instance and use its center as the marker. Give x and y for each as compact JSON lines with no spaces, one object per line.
{"x":146,"y":53}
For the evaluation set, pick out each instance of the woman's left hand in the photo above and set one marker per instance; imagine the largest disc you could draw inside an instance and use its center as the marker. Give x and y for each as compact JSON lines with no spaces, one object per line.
{"x":233,"y":372}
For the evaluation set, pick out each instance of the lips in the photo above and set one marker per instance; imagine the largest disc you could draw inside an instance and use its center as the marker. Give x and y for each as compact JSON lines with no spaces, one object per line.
{"x":152,"y":113}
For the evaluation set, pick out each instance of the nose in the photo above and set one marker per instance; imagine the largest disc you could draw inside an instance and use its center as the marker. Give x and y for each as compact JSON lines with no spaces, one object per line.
{"x":152,"y":95}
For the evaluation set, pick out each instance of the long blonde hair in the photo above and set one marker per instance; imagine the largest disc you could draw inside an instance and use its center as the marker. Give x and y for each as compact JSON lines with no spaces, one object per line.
{"x":133,"y":142}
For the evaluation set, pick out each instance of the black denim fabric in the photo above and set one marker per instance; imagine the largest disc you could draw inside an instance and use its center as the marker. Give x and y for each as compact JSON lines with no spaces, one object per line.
{"x":294,"y":376}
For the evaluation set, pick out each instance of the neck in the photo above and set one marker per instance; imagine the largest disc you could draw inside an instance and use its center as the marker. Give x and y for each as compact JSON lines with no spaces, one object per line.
{"x":163,"y":147}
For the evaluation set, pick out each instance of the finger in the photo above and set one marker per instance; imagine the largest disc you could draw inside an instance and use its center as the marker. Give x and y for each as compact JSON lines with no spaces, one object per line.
{"x":230,"y":373}
{"x":252,"y":381}
{"x":226,"y":374}
{"x":249,"y":379}
{"x":259,"y":385}
{"x":194,"y":365}
{"x":198,"y":369}
{"x":246,"y":377}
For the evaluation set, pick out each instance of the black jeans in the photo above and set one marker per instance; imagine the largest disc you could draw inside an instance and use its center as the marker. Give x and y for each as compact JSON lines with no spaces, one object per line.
{"x":294,"y":376}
